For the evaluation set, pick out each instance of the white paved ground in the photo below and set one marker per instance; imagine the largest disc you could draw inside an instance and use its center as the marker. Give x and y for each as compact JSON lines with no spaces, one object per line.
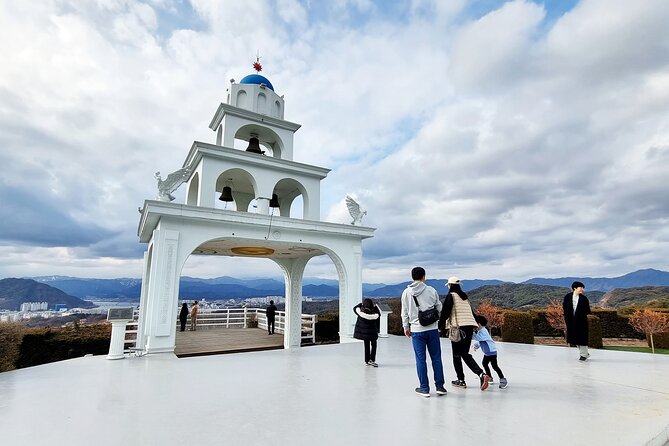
{"x":324,"y":395}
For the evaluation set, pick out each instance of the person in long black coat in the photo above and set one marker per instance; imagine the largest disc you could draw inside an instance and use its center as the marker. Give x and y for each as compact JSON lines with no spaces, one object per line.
{"x":183,"y":316}
{"x":271,"y":316}
{"x":576,"y":308}
{"x":367,"y":328}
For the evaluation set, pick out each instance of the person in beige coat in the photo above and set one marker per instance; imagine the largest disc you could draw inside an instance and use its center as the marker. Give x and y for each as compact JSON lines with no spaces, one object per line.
{"x":457,"y":313}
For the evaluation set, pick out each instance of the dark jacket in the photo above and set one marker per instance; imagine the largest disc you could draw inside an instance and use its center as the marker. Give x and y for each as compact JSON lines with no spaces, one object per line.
{"x":366,"y":329}
{"x":577,"y":323}
{"x":271,"y":312}
{"x":183,"y":316}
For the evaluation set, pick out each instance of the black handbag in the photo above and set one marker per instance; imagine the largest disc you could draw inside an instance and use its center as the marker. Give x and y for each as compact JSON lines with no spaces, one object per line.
{"x":427,"y":317}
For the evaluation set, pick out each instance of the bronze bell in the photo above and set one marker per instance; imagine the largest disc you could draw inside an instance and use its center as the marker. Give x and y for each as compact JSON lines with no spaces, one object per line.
{"x":274,"y":202}
{"x":254,"y":146}
{"x":226,"y":195}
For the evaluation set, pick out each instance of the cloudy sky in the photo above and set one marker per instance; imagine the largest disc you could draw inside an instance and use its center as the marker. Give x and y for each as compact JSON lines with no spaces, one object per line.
{"x":486,"y":139}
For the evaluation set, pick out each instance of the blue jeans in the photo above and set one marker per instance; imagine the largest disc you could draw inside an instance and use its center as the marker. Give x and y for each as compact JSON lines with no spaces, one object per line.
{"x":429,"y":339}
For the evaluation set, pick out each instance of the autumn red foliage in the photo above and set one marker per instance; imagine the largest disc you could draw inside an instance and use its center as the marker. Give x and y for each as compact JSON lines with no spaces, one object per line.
{"x":649,"y":322}
{"x":490,"y":312}
{"x":555,"y":317}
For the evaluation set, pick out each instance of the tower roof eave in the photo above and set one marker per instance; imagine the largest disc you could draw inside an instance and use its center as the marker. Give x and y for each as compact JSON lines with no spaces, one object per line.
{"x":154,"y":210}
{"x":224,"y":108}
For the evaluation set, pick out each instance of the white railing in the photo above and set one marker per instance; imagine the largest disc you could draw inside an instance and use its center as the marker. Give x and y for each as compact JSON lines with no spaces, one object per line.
{"x":244,"y":317}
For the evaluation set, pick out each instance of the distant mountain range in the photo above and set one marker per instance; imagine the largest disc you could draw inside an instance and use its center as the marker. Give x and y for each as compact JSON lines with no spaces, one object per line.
{"x":226,"y":287}
{"x":14,"y":292}
{"x":642,"y":277}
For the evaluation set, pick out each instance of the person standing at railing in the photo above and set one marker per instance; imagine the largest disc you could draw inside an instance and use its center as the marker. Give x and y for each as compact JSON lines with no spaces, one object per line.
{"x":367,"y":328}
{"x":193,"y":316}
{"x":271,"y":316}
{"x":183,"y":316}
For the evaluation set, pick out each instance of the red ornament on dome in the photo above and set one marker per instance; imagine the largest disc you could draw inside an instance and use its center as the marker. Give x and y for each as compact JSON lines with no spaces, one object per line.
{"x":256,"y":64}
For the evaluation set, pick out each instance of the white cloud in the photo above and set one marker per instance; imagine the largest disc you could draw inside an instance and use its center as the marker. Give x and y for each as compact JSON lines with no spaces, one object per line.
{"x":503,"y":146}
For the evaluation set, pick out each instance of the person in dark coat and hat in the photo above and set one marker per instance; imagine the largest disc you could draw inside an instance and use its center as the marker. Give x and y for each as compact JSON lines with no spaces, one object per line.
{"x":367,"y":328}
{"x":576,"y":309}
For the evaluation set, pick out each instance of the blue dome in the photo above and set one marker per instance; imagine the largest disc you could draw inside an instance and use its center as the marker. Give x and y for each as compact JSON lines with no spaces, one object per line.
{"x":257,"y":79}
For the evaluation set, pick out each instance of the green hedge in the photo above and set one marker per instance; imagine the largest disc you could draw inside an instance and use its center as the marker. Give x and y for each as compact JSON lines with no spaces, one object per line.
{"x":45,"y":345}
{"x":594,"y":332}
{"x":661,"y":340}
{"x":11,"y":334}
{"x":615,"y":325}
{"x":327,"y":327}
{"x":541,"y":325}
{"x":517,"y":327}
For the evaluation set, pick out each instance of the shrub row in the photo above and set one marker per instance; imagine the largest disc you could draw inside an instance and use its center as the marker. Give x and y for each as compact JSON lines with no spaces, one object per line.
{"x":327,"y":327}
{"x":45,"y":345}
{"x":595,"y":332}
{"x":606,"y":324}
{"x":11,"y":334}
{"x":517,"y":327}
{"x":661,"y":340}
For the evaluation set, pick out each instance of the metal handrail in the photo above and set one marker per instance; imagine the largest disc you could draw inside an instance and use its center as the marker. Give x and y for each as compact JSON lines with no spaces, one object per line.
{"x":232,"y":318}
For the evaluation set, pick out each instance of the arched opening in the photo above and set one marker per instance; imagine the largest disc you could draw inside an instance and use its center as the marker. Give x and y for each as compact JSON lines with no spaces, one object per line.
{"x":270,"y":141}
{"x":242,"y":188}
{"x":193,"y":190}
{"x":287,"y":190}
{"x":277,"y":109}
{"x":262,"y":104}
{"x":233,"y":294}
{"x":243,"y":100}
{"x":320,"y":294}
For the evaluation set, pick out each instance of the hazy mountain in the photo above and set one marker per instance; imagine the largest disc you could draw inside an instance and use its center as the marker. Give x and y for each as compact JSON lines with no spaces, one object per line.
{"x":230,"y":287}
{"x":103,"y":288}
{"x":14,"y":292}
{"x":438,"y":284}
{"x":642,"y":277}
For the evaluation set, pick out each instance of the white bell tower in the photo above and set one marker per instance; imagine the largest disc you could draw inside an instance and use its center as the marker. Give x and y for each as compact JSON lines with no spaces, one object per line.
{"x":252,"y":160}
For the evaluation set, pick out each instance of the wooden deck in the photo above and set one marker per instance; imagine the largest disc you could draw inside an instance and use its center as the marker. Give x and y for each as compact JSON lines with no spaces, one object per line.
{"x":216,"y":341}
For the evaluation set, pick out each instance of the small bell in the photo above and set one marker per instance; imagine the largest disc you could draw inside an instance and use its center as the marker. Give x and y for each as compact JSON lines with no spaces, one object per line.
{"x":226,"y":195}
{"x":254,"y":146}
{"x":274,"y":202}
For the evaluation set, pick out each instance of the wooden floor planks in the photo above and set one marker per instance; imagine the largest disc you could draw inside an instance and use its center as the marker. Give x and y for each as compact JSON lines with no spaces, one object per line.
{"x":214,"y":341}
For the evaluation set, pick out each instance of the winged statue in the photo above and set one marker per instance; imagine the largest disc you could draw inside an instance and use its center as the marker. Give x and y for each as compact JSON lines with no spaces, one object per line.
{"x":354,"y":209}
{"x":170,"y":184}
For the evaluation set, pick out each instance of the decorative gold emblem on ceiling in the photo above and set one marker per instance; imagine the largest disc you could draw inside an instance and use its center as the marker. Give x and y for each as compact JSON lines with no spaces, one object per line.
{"x":252,"y":251}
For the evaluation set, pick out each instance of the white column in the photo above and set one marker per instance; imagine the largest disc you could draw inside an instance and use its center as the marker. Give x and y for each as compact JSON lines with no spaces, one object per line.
{"x":117,"y":340}
{"x":141,"y":322}
{"x":163,"y":293}
{"x":350,"y":294}
{"x":384,"y":324}
{"x":293,"y":270}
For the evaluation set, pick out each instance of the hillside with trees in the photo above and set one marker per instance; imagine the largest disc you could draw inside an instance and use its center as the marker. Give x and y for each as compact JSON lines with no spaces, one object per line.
{"x":647,"y":296}
{"x":518,"y":296}
{"x":14,"y":292}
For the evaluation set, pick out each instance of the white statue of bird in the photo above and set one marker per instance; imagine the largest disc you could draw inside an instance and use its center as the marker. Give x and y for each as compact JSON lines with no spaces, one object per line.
{"x":170,"y":184}
{"x":354,"y":209}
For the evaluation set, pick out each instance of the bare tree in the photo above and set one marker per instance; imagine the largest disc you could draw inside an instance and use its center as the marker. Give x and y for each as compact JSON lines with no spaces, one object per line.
{"x":649,"y":322}
{"x":555,"y":317}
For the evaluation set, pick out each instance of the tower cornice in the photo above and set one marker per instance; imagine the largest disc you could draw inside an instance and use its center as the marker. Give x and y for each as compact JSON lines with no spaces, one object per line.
{"x":224,"y":109}
{"x":201,"y":149}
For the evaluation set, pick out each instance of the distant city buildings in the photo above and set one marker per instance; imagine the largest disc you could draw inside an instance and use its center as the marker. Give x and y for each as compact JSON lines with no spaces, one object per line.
{"x":34,"y":306}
